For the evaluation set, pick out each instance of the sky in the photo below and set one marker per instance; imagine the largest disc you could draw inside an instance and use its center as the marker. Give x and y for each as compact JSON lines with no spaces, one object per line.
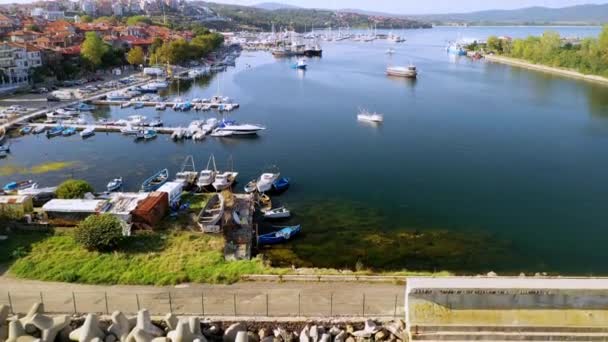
{"x":421,"y":7}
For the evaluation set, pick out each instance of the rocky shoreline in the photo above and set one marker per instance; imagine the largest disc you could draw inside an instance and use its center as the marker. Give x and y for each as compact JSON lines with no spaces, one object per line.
{"x":37,"y":326}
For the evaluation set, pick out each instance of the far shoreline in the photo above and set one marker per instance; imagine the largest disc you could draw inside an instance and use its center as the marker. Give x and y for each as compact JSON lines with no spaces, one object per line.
{"x":547,"y":69}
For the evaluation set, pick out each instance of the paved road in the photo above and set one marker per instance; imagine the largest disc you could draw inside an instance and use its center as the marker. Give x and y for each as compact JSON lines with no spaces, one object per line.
{"x":258,"y":299}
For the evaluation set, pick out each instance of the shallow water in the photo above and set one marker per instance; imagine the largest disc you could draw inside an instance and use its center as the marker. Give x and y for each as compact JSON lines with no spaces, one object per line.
{"x":471,"y":148}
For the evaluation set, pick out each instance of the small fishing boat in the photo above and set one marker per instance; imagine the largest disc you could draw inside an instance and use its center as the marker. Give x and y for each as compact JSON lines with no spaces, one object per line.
{"x":399,"y":71}
{"x":25,"y":130}
{"x":281,"y":184}
{"x":5,"y":148}
{"x":301,"y":64}
{"x":39,"y":130}
{"x":224,"y":180}
{"x":367,"y":116}
{"x":390,"y":51}
{"x":160,"y":106}
{"x":266,"y":180}
{"x":277,"y":213}
{"x":114,"y":184}
{"x":211,"y":214}
{"x":83,"y":107}
{"x":280,"y":236}
{"x":156,"y":123}
{"x":129,"y":130}
{"x":138,"y":105}
{"x":21,"y":185}
{"x":68,"y":131}
{"x":150,"y":134}
{"x":178,"y":134}
{"x":155,"y":181}
{"x":251,"y":186}
{"x":126,"y":104}
{"x":88,"y":132}
{"x":55,"y":131}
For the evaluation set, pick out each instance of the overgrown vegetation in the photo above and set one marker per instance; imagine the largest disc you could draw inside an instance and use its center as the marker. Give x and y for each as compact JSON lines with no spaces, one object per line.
{"x":590,"y":56}
{"x":73,"y":188}
{"x":180,"y":51}
{"x":99,"y":233}
{"x":148,"y":259}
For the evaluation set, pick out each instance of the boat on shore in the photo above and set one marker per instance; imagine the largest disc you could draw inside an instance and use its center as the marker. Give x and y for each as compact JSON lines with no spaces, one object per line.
{"x":207,"y":176}
{"x":251,"y":186}
{"x":211,"y":214}
{"x":280,"y":236}
{"x":156,"y":181}
{"x":114,"y":184}
{"x":399,"y":71}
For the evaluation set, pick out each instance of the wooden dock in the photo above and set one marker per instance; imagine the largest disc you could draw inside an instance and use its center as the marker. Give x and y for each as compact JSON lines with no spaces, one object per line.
{"x":110,"y":128}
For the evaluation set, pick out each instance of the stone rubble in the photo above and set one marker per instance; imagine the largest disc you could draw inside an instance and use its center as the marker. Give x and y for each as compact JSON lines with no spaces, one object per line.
{"x":36,"y":326}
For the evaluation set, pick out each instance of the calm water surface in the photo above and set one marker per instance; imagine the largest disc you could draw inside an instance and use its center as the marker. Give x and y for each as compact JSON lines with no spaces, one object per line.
{"x":469,"y":147}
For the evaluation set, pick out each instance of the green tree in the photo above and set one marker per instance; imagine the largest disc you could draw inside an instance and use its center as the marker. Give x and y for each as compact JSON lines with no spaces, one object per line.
{"x":134,"y":20}
{"x":73,"y":188}
{"x":136,"y":56}
{"x":86,"y":19}
{"x":99,"y":233}
{"x":33,"y":27}
{"x":92,"y":49}
{"x":493,"y":44}
{"x":156,"y":43}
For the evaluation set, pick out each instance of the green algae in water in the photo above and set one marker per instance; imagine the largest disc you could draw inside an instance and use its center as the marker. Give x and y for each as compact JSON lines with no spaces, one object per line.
{"x":10,"y":169}
{"x":342,"y":234}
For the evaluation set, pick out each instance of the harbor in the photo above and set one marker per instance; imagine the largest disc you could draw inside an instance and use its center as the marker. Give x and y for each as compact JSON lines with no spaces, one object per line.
{"x":432,"y":169}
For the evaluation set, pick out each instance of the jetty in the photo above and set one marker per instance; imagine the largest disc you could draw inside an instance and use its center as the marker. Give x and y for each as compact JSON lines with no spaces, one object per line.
{"x":109,"y":128}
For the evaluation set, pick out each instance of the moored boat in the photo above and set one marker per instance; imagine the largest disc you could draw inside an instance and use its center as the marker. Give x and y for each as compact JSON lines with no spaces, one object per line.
{"x":160,"y":106}
{"x":280,"y":236}
{"x":281,"y":184}
{"x":224,"y":180}
{"x":277,"y":213}
{"x":251,"y":186}
{"x":266,"y":180}
{"x":38,"y":129}
{"x":207,"y":176}
{"x":138,"y":105}
{"x":367,"y":116}
{"x":87,"y":132}
{"x":155,"y":181}
{"x":21,"y":185}
{"x":55,"y":131}
{"x":25,"y":130}
{"x":68,"y":131}
{"x":114,"y":184}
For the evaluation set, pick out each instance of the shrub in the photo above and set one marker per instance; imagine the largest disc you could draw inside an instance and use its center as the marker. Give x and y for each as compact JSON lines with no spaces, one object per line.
{"x":99,"y":232}
{"x":73,"y":188}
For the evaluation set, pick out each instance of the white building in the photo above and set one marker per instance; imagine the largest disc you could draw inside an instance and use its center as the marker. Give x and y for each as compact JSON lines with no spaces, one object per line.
{"x":16,"y":61}
{"x":88,"y":7}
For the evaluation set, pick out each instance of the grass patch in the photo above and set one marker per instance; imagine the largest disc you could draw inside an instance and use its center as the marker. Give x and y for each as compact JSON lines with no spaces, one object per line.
{"x":148,"y":259}
{"x":19,"y":244}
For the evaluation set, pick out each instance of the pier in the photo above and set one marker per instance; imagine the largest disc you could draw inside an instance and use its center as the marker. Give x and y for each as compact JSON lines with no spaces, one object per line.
{"x":110,"y":128}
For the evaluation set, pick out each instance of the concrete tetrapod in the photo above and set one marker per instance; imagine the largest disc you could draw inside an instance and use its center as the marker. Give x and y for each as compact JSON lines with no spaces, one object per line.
{"x":16,"y":332}
{"x":4,"y":311}
{"x":88,"y":331}
{"x":121,"y":325}
{"x":50,"y":326}
{"x":305,"y":334}
{"x":144,"y":330}
{"x":188,"y":330}
{"x":241,"y":336}
{"x":37,"y":308}
{"x":231,"y":331}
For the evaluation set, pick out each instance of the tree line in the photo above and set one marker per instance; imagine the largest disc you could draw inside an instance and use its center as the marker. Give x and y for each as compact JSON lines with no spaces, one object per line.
{"x":588,"y":56}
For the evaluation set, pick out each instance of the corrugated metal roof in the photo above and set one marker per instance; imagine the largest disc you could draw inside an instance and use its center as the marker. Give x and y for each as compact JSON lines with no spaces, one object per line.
{"x":75,"y":205}
{"x":124,"y":203}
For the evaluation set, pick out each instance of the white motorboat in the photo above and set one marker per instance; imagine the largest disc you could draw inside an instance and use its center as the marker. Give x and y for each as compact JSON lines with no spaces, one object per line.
{"x":367,"y":116}
{"x":238,"y":129}
{"x":277,"y":213}
{"x":136,"y":119}
{"x":114,"y":184}
{"x":207,"y":176}
{"x":219,"y":134}
{"x":129,"y":130}
{"x":390,"y":51}
{"x":224,"y":180}
{"x":178,"y":134}
{"x":265,"y":181}
{"x":160,"y":106}
{"x":126,"y":104}
{"x":36,"y":190}
{"x":409,"y":72}
{"x":87,"y":132}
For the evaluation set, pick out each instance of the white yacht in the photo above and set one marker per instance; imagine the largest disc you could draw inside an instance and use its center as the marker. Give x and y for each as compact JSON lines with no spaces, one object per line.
{"x":234,"y":128}
{"x":136,"y":119}
{"x":399,"y":71}
{"x":365,"y":115}
{"x":265,"y":182}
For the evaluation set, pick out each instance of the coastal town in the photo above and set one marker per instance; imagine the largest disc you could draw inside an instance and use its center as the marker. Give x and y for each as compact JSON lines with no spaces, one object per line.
{"x":195,"y":171}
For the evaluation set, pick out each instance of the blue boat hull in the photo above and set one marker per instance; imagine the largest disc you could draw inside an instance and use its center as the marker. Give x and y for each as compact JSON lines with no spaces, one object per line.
{"x":148,"y":186}
{"x":281,"y":184}
{"x":280,"y":236}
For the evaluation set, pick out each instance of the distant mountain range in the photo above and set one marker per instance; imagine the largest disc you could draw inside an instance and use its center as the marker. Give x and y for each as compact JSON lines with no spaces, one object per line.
{"x":572,"y":15}
{"x":581,"y":14}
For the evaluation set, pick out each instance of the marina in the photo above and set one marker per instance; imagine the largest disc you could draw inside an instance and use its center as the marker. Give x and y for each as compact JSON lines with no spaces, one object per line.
{"x":437,"y":162}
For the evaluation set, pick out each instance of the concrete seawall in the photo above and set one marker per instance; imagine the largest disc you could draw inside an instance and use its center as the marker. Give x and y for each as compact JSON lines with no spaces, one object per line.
{"x":548,"y":69}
